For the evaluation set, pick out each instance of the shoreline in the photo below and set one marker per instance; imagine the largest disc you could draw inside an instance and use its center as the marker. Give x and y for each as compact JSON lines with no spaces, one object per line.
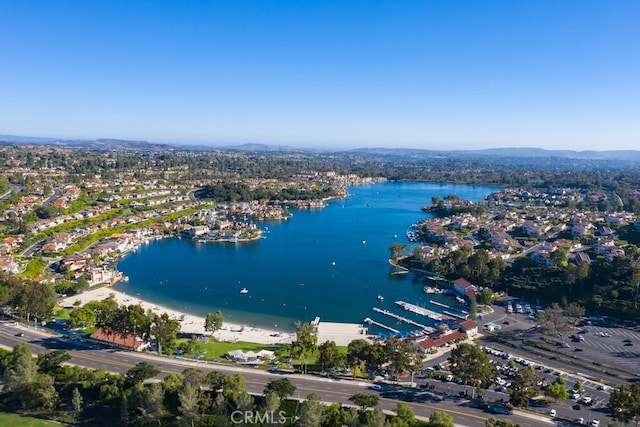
{"x":190,"y":324}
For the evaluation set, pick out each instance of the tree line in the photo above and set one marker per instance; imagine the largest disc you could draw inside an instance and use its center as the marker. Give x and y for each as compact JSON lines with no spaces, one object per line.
{"x":46,"y":387}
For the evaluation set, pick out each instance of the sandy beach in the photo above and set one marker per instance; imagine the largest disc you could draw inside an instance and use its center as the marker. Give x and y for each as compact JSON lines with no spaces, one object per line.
{"x":190,"y":324}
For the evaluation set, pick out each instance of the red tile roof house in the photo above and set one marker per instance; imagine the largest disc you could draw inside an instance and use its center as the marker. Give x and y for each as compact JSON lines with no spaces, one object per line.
{"x":440,"y":340}
{"x":128,"y":342}
{"x":464,"y":288}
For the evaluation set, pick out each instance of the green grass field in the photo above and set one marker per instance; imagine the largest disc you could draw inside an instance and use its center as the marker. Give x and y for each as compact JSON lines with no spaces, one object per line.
{"x":24,"y":421}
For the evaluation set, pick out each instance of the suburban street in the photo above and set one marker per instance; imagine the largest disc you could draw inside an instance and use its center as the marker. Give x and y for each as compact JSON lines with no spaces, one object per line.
{"x":423,"y":403}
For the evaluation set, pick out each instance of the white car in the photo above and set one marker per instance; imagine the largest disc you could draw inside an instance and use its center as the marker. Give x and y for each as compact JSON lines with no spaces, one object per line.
{"x":595,"y":423}
{"x":552,"y":412}
{"x":579,"y":420}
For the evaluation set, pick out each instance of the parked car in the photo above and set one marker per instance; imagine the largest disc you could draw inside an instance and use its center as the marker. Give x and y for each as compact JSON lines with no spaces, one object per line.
{"x":552,"y":412}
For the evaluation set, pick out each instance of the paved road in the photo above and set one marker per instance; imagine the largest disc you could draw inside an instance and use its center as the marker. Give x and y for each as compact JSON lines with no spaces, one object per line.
{"x":15,"y":188}
{"x":423,"y":403}
{"x":56,"y":195}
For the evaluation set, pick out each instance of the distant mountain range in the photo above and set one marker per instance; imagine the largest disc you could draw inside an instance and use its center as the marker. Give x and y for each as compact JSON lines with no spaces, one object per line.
{"x":513,"y":152}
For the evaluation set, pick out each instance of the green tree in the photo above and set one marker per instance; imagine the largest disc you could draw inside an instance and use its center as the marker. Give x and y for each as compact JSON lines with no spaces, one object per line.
{"x":153,"y":398}
{"x":271,"y":402}
{"x":494,"y":422}
{"x":375,"y":418}
{"x":574,"y":312}
{"x":189,"y":404}
{"x":136,"y":322}
{"x":405,"y":414}
{"x":556,"y":391}
{"x":32,"y":299}
{"x":234,"y":389}
{"x":213,"y":322}
{"x":440,"y":419}
{"x":397,"y":352}
{"x":579,"y":387}
{"x":39,"y":393}
{"x":306,"y":341}
{"x":356,"y":352}
{"x":76,"y":401}
{"x":281,"y":387}
{"x":473,"y":309}
{"x":165,"y":330}
{"x":21,"y":367}
{"x":525,"y":386}
{"x":364,"y":401}
{"x":485,"y":297}
{"x":337,"y":415}
{"x":330,"y":357}
{"x":50,"y":362}
{"x":469,"y":362}
{"x":82,"y":317}
{"x":141,"y":372}
{"x":398,"y":251}
{"x":311,"y":412}
{"x":375,"y":356}
{"x":625,"y":403}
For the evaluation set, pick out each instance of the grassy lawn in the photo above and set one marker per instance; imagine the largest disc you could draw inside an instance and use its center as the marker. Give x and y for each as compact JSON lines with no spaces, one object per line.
{"x":24,"y":421}
{"x":61,"y":313}
{"x":218,"y":349}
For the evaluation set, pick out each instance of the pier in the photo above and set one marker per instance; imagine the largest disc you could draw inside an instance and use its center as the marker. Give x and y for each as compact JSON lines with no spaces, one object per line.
{"x":421,"y":311}
{"x":380,"y":325}
{"x":457,"y":316}
{"x":402,"y":319}
{"x":463,"y":316}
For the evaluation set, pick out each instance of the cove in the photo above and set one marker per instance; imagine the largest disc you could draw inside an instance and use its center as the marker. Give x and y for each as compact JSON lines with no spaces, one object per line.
{"x":331,"y":263}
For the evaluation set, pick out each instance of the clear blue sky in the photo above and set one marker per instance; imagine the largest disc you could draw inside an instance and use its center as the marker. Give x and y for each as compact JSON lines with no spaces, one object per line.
{"x":340,"y":74}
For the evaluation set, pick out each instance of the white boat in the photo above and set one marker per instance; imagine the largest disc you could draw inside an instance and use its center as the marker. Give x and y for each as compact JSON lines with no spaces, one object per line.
{"x":244,"y":291}
{"x":380,"y":298}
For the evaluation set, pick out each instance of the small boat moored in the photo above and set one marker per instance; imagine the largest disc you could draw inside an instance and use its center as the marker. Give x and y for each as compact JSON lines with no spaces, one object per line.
{"x":244,"y":291}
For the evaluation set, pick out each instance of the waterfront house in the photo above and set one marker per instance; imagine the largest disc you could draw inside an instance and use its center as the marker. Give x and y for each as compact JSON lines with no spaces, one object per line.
{"x":582,"y":258}
{"x":462,"y":287}
{"x":439,"y":340}
{"x":469,"y":327}
{"x":128,"y":342}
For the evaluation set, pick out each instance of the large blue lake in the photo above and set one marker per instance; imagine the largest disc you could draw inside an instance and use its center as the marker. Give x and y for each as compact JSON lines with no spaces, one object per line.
{"x":331,"y":263}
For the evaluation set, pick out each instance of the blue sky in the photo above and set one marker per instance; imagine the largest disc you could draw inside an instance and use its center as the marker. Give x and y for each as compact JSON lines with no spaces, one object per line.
{"x":334,"y":74}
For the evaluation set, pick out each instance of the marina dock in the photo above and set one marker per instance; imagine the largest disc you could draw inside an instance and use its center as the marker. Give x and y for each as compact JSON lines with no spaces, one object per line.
{"x":402,"y":319}
{"x":380,"y":325}
{"x":421,"y":311}
{"x":462,"y":316}
{"x":457,"y":316}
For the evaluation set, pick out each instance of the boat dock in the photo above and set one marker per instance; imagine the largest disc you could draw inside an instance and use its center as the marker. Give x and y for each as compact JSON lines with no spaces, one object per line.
{"x":458,"y":316}
{"x":462,"y":316}
{"x":421,"y":311}
{"x":402,"y":319}
{"x":380,"y":325}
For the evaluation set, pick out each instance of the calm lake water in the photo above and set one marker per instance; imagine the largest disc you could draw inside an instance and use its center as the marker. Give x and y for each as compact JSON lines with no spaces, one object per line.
{"x":331,"y":263}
